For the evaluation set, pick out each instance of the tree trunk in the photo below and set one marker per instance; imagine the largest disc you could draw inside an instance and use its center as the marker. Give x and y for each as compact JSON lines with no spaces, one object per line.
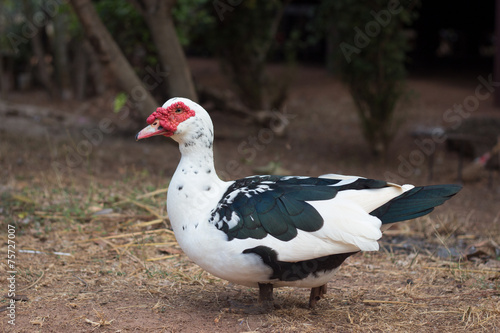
{"x":61,"y":61}
{"x":110,"y":55}
{"x":42,"y":69}
{"x":96,"y":71}
{"x":80,"y":70}
{"x":157,"y":14}
{"x":41,"y":66}
{"x":3,"y":79}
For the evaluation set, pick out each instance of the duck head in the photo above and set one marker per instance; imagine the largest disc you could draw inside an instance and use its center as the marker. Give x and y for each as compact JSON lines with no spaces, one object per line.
{"x":176,"y":118}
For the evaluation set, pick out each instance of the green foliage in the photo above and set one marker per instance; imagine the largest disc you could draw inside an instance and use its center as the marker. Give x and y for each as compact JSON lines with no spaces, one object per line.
{"x":51,"y":23}
{"x":18,"y":26}
{"x":129,"y":30}
{"x":242,"y":39}
{"x":119,"y":102}
{"x":10,"y":25}
{"x":192,"y":18}
{"x":370,"y":57}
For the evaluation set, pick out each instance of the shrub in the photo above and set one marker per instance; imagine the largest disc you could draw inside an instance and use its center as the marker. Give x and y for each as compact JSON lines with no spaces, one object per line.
{"x":371,"y":46}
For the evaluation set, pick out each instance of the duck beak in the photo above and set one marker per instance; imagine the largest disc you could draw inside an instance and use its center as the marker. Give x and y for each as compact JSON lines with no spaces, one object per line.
{"x":149,"y":131}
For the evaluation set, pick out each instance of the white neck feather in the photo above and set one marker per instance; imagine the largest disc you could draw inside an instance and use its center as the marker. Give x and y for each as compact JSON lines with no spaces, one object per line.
{"x":195,"y":187}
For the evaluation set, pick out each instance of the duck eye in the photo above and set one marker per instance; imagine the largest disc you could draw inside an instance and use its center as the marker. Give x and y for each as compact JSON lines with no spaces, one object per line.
{"x":155,"y":123}
{"x":178,"y":110}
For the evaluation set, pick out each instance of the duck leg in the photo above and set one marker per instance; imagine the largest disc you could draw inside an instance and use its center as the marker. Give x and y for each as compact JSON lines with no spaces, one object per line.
{"x":266,"y":295}
{"x":316,"y":294}
{"x":265,"y":304}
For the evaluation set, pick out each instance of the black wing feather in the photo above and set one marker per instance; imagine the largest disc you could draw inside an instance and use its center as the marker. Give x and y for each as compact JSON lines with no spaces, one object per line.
{"x":414,"y":203}
{"x":277,"y":205}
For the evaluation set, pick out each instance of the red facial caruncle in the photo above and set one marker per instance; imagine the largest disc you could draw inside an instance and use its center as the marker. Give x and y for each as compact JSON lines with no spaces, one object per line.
{"x":171,"y":116}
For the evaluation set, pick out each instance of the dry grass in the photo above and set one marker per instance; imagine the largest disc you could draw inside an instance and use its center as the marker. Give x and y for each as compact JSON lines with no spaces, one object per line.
{"x":119,"y":267}
{"x":102,"y":259}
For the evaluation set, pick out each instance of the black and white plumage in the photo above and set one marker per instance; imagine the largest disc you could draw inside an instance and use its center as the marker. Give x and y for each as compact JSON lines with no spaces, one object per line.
{"x":271,"y":231}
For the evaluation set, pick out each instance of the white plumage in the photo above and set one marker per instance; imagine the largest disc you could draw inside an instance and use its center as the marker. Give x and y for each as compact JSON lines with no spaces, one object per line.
{"x":269,"y":230}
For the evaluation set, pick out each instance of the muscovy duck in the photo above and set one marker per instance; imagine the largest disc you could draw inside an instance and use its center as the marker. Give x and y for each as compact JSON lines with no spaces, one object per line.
{"x":272,"y":231}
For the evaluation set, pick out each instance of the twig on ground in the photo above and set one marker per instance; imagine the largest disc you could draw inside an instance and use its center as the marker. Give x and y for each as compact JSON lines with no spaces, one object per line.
{"x":466,"y":270}
{"x":163,"y":257}
{"x":141,"y":205}
{"x":391,"y":302}
{"x":145,"y":224}
{"x":126,"y":235}
{"x":151,"y":194}
{"x":101,"y":322}
{"x":82,"y":281}
{"x":145,"y":244}
{"x":31,"y":285}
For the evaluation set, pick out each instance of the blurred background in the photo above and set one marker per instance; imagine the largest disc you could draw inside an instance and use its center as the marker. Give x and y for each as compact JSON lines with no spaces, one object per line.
{"x":399,"y":90}
{"x":405,"y":91}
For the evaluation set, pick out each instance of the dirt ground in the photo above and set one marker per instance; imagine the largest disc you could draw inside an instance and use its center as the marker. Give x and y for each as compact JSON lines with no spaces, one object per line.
{"x":94,"y":251}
